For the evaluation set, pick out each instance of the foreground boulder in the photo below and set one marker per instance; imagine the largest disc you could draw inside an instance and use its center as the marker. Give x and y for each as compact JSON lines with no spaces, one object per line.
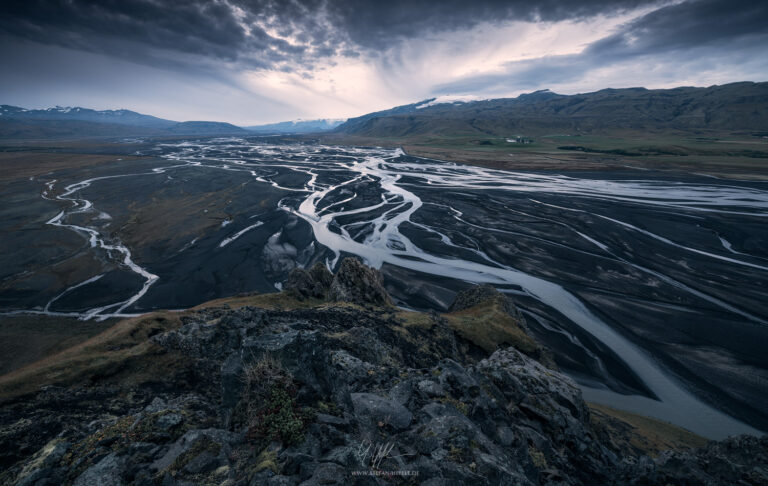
{"x":338,"y":394}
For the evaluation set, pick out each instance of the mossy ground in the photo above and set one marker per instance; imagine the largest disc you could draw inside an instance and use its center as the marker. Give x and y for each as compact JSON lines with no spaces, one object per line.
{"x":123,"y":353}
{"x":631,"y":432}
{"x":489,"y":326}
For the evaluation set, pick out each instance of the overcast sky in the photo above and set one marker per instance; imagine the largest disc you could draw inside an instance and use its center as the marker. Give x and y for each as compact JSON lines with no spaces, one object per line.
{"x":257,"y":61}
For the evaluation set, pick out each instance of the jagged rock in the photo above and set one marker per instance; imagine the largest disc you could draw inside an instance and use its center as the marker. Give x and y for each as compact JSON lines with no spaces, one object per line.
{"x":44,"y":465}
{"x":312,"y":283}
{"x":200,"y":448}
{"x":358,"y":283}
{"x":473,"y":296}
{"x":529,"y":385}
{"x":107,"y":472}
{"x":375,"y":409}
{"x":321,"y":276}
{"x":431,"y":389}
{"x":327,"y":473}
{"x":168,"y":421}
{"x":231,"y":384}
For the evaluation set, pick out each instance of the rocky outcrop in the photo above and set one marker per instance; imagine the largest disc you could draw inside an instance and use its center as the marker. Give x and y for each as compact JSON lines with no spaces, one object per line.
{"x":487,"y":318}
{"x":354,"y":282}
{"x":313,"y":283}
{"x":339,"y":395}
{"x":360,"y":284}
{"x":473,"y":296}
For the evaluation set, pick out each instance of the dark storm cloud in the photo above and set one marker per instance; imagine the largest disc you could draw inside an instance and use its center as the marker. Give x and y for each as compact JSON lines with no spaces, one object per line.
{"x":195,"y":27}
{"x":376,"y":24}
{"x":253,"y":33}
{"x":709,"y":29}
{"x":692,"y":24}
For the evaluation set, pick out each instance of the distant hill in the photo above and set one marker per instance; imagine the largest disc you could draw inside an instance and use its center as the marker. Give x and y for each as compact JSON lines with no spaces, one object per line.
{"x":69,"y":129}
{"x":194,"y":127}
{"x":737,"y":106}
{"x":77,"y":122}
{"x":298,"y":126}
{"x":119,"y":117}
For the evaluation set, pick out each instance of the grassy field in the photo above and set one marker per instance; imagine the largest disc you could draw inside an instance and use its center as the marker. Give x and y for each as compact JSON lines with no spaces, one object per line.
{"x":25,"y":339}
{"x":630,"y":431}
{"x":120,"y":353}
{"x":737,"y":155}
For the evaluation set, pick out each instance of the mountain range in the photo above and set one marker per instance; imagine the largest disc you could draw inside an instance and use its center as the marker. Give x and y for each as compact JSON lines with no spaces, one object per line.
{"x":736,"y":106}
{"x":77,"y":122}
{"x":298,"y":126}
{"x":66,"y":122}
{"x":120,"y":117}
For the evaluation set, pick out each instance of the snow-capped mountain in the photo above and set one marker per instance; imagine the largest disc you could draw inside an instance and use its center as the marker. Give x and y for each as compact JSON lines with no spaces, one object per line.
{"x":121,"y":117}
{"x":298,"y":126}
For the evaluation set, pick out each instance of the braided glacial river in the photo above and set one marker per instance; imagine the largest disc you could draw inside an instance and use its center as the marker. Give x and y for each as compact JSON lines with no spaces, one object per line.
{"x":651,"y":289}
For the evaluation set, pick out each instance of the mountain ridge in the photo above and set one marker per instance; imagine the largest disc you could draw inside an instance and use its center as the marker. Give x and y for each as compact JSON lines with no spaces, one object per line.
{"x":119,"y":116}
{"x":72,"y":122}
{"x":297,"y":126}
{"x":734,"y":106}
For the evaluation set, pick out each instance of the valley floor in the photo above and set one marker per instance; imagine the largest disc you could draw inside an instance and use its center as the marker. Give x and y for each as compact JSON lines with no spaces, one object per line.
{"x":620,"y":272}
{"x":724,"y":155}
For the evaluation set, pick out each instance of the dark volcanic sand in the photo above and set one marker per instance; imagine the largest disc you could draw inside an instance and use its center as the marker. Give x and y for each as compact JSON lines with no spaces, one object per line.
{"x":640,"y":281}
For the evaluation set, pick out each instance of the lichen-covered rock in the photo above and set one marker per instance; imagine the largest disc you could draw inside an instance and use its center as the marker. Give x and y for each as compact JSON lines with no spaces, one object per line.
{"x":44,"y":465}
{"x":358,"y":283}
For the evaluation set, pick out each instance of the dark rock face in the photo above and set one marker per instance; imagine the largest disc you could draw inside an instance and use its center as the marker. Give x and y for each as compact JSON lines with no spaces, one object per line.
{"x":369,"y":394}
{"x":359,"y":284}
{"x":313,"y":283}
{"x":355,"y":283}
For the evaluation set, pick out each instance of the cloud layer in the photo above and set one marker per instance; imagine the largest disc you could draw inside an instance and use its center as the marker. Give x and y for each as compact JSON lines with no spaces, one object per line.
{"x":339,"y":58}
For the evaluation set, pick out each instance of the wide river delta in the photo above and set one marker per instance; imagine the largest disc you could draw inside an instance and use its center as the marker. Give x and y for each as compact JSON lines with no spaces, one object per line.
{"x":651,"y":288}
